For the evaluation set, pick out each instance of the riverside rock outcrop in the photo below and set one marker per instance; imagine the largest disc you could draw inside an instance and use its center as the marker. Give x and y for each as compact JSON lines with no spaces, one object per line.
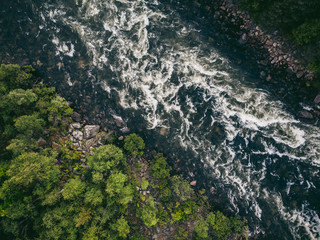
{"x":274,"y":49}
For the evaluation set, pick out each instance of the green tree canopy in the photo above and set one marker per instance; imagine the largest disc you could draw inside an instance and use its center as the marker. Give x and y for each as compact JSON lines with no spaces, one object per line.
{"x":122,"y":227}
{"x":134,"y":145}
{"x":103,"y":160}
{"x":149,"y":213}
{"x":73,"y":189}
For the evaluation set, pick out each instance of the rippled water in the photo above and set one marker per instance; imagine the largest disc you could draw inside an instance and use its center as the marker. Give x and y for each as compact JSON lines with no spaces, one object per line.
{"x":179,"y":84}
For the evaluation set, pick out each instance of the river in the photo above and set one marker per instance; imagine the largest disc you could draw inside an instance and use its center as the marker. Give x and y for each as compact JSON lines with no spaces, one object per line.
{"x":190,"y":91}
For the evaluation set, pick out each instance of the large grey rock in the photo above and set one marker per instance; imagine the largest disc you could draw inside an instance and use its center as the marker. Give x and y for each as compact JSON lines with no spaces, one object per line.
{"x":78,"y":135}
{"x":90,"y":131}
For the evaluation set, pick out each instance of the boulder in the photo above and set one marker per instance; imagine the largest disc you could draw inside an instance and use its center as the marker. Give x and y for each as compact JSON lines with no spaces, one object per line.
{"x":90,"y":131}
{"x":76,"y":116}
{"x":243,"y":39}
{"x":299,"y":74}
{"x":75,"y":125}
{"x":78,"y":135}
{"x":306,"y":114}
{"x":317,"y":99}
{"x":193,"y":183}
{"x":125,"y":130}
{"x":119,"y":121}
{"x":41,"y":142}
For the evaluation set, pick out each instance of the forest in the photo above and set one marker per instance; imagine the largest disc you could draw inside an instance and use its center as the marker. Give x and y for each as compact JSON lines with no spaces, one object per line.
{"x":49,"y":189}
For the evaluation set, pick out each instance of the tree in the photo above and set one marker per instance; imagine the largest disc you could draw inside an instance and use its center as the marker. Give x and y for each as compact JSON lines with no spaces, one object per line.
{"x":16,"y":103}
{"x":73,"y":189}
{"x":122,"y":227}
{"x":181,"y":188}
{"x":15,"y":77}
{"x":93,"y":196}
{"x":19,"y":97}
{"x":58,"y":110}
{"x":221,"y":226}
{"x":201,"y":229}
{"x":84,"y":216}
{"x":134,"y":145}
{"x":59,"y":223}
{"x":20,"y":145}
{"x":149,"y":213}
{"x":29,"y":125}
{"x":26,"y":171}
{"x":103,"y":160}
{"x":119,"y":189}
{"x":159,"y":167}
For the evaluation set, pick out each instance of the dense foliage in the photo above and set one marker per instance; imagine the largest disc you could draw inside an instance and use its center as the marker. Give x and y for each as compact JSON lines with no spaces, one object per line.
{"x":297,"y":19}
{"x":49,"y":191}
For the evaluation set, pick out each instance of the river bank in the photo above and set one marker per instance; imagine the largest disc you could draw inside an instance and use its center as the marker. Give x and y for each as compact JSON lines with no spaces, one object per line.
{"x":276,"y":55}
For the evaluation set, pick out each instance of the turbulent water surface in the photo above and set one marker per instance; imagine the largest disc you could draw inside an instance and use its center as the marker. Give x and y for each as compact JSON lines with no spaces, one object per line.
{"x":175,"y":79}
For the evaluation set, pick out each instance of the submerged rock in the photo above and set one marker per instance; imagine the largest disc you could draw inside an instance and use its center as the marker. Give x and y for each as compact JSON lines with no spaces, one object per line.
{"x":90,"y":131}
{"x":306,"y":114}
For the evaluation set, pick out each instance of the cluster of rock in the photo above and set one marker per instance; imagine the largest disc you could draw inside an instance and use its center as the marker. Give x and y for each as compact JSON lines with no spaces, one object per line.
{"x":277,"y":51}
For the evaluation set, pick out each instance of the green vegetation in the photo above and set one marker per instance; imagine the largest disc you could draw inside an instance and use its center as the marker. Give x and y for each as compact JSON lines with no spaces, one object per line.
{"x":134,"y":145}
{"x":299,"y":20}
{"x":50,"y":190}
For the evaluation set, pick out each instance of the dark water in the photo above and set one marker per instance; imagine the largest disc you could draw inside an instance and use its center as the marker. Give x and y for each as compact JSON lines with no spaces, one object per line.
{"x":191,"y":91}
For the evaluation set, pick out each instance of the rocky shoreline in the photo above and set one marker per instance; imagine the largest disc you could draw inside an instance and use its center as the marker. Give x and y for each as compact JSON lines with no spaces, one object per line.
{"x":279,"y":52}
{"x":274,"y":52}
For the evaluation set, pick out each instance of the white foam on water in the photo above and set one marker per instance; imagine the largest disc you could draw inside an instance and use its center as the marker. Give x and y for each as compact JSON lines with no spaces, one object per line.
{"x":155,"y":74}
